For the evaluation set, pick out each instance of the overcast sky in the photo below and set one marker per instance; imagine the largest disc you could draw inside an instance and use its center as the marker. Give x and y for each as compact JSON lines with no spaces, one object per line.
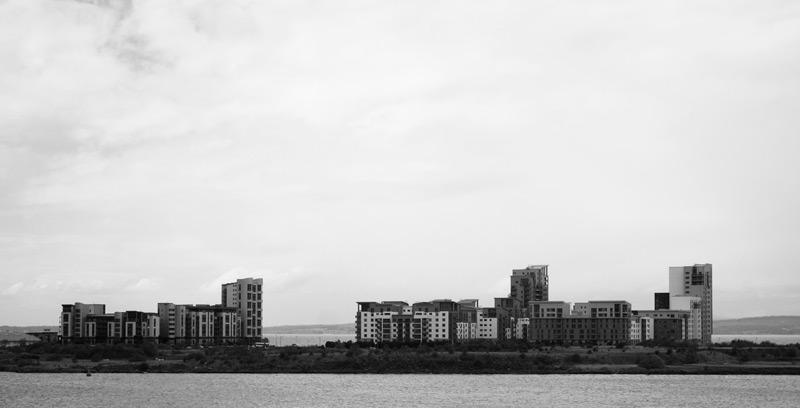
{"x":395,"y":150}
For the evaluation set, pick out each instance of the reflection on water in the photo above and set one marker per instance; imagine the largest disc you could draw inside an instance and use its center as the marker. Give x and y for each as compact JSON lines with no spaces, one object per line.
{"x":330,"y":390}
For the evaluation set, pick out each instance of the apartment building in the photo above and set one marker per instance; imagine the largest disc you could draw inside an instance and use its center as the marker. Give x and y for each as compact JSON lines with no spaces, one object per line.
{"x":102,"y":328}
{"x":236,"y":320}
{"x":695,"y":281}
{"x":133,"y":326}
{"x":514,"y":305}
{"x":641,"y":328}
{"x":384,"y":321}
{"x":119,"y":327}
{"x":436,"y":320}
{"x":212,"y":324}
{"x":530,"y":285}
{"x":685,"y":313}
{"x":593,"y":322}
{"x":172,"y":318}
{"x":246,"y":296}
{"x":661,"y":300}
{"x":495,"y":323}
{"x":72,"y":320}
{"x":199,"y":324}
{"x":666,"y":325}
{"x":467,"y":320}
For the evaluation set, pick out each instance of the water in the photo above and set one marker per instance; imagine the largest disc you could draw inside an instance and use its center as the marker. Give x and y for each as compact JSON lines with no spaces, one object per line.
{"x":281,"y":339}
{"x":757,"y":338}
{"x":365,"y":390}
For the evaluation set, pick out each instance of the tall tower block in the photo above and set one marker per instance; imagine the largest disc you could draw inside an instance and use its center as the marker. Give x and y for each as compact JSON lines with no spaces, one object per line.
{"x":245,"y":295}
{"x":695,"y":281}
{"x":530,"y":285}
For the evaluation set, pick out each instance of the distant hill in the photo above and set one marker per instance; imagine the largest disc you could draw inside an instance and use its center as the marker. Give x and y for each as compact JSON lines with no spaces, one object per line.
{"x":15,"y":337}
{"x":759,"y":325}
{"x":27,"y":329}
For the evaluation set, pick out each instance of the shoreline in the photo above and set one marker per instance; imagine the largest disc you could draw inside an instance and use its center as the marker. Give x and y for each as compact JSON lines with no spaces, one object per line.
{"x":603,"y":370}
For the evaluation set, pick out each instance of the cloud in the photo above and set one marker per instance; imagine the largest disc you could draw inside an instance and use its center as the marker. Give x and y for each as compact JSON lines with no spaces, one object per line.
{"x":13,"y":289}
{"x":144,"y":285}
{"x":232,"y":275}
{"x":67,"y":284}
{"x":189,"y":136}
{"x":296,"y":280}
{"x":500,"y":288}
{"x":274,"y":282}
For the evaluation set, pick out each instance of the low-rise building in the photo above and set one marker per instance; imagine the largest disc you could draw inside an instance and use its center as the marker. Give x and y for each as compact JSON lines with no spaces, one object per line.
{"x":593,"y":322}
{"x":45,"y":335}
{"x":666,"y":325}
{"x":437,"y":320}
{"x":236,"y":320}
{"x":72,"y":320}
{"x":212,"y":324}
{"x":172,"y":318}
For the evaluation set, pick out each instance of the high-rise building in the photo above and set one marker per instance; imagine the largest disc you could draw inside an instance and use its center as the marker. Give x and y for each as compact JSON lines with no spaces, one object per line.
{"x":695,"y":281}
{"x":245,"y":295}
{"x":530,"y":285}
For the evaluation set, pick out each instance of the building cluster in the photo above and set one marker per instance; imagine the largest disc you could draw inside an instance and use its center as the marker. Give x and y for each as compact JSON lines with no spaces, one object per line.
{"x":682,"y":314}
{"x":237,"y":319}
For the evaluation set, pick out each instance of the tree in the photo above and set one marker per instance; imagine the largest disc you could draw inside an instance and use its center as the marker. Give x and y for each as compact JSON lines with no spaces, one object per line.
{"x":652,"y":362}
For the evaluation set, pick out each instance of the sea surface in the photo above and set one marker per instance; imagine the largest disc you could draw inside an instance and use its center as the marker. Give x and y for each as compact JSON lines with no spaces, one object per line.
{"x":758,"y":338}
{"x":283,"y":339}
{"x":412,"y":390}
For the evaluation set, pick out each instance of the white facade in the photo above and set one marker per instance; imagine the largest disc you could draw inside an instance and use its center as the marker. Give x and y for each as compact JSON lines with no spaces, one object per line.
{"x":373,"y":323}
{"x":487,"y":326}
{"x":245,"y":295}
{"x":521,"y":326}
{"x":684,"y":302}
{"x":641,"y":329}
{"x":694,"y":281}
{"x":691,"y":329}
{"x":438,"y":324}
{"x":466,"y":330}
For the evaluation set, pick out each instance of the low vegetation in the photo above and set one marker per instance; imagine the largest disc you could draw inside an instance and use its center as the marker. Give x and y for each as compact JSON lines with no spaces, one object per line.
{"x":480,"y":357}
